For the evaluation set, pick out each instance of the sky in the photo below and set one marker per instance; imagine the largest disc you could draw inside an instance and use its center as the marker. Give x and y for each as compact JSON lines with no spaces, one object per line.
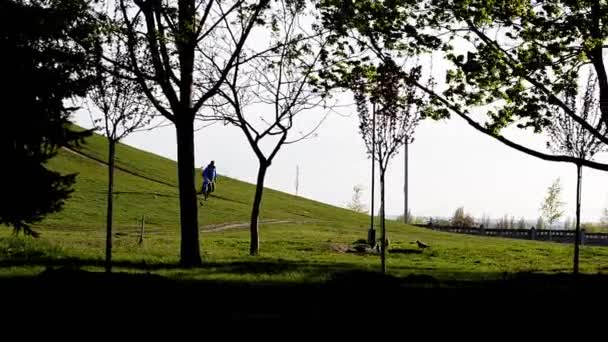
{"x":450,"y":165}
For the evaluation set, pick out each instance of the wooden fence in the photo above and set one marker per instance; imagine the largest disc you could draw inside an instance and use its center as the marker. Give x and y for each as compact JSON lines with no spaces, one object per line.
{"x":555,"y":235}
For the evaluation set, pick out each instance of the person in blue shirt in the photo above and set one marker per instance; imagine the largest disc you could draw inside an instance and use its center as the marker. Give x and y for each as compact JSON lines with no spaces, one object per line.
{"x":209,"y":177}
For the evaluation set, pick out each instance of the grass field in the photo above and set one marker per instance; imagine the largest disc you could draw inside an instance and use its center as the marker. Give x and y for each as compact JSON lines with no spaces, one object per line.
{"x":302,"y":241}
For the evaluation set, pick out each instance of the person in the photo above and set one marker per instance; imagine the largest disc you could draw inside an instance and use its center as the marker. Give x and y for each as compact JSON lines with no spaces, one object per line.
{"x":209,"y":176}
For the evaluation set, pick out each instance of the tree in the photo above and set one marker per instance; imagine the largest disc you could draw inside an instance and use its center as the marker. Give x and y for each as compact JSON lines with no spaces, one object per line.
{"x":604,"y":218}
{"x":569,"y":137}
{"x":512,"y":223}
{"x":123,"y":109}
{"x":551,"y":207}
{"x":355,"y":203}
{"x":567,"y":223}
{"x":521,"y":224}
{"x":265,"y":96}
{"x":520,"y":57}
{"x":395,"y":106}
{"x":180,"y":60}
{"x":43,"y":64}
{"x":460,"y":219}
{"x":411,"y":218}
{"x":485,"y":221}
{"x":540,"y":223}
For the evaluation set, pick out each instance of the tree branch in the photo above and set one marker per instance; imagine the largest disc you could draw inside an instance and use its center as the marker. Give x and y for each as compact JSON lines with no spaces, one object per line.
{"x":477,"y":126}
{"x":538,"y":85}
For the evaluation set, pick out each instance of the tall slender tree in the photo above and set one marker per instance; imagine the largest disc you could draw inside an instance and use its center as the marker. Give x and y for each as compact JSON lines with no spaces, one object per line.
{"x":264,"y":96}
{"x":397,"y":106}
{"x":122,"y":108}
{"x":567,"y":136}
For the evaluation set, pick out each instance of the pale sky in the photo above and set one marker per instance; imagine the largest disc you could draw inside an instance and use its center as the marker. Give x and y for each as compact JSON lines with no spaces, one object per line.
{"x":450,"y":165}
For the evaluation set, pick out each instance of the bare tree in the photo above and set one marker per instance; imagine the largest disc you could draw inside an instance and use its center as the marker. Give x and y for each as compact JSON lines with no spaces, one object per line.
{"x":180,"y":60}
{"x":604,"y":218}
{"x":485,"y":221}
{"x":521,"y":224}
{"x":567,"y":223}
{"x":503,"y":222}
{"x":397,"y":115}
{"x":264,"y":96}
{"x":569,"y":137}
{"x":540,"y":223}
{"x":123,"y":109}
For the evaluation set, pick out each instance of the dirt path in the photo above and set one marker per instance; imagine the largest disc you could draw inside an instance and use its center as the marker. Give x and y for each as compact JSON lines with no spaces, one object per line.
{"x":226,"y":226}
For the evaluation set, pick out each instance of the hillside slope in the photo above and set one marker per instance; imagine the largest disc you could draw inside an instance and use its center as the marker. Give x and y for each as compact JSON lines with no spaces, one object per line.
{"x":149,"y":187}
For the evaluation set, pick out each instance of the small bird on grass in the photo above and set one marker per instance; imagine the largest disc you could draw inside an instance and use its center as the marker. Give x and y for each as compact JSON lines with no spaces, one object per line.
{"x":421,"y":245}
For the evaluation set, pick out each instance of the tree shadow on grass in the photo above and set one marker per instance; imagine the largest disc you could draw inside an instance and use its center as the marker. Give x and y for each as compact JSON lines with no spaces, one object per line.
{"x":339,"y":274}
{"x":346,"y":292}
{"x":254,"y":267}
{"x":404,"y":251}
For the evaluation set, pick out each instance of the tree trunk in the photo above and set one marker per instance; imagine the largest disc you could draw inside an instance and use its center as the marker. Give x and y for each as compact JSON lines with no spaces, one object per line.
{"x":254,"y":246}
{"x":382,"y":223}
{"x":405,"y":209}
{"x":190,"y":247}
{"x":577,"y":238}
{"x":371,"y":227}
{"x":109,"y":211}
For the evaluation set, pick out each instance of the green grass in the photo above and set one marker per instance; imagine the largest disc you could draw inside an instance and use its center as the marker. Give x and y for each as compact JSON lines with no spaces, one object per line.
{"x":307,"y":248}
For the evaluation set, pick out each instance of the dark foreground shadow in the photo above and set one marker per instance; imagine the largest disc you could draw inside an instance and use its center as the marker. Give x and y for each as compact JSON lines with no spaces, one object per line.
{"x":350,"y":295}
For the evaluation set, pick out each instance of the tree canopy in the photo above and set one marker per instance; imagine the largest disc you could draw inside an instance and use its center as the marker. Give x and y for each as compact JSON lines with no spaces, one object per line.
{"x":43,"y":63}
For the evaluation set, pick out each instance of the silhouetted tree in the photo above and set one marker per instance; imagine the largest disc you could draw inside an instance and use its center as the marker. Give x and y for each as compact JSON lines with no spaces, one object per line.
{"x":180,"y":59}
{"x":266,"y":95}
{"x":521,"y":224}
{"x":569,"y":137}
{"x":512,"y":222}
{"x":460,"y":219}
{"x":567,"y":223}
{"x":43,"y":63}
{"x":540,"y":223}
{"x":604,"y":218}
{"x":396,"y":105}
{"x":122,"y":104}
{"x":503,"y":222}
{"x":485,"y":221}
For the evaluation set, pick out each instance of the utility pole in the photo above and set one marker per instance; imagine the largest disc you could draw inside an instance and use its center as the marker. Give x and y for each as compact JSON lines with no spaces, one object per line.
{"x":297,"y":178}
{"x":405,"y":209}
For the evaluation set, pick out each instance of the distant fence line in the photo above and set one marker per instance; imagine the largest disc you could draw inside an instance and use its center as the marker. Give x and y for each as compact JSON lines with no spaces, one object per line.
{"x":554,"y":235}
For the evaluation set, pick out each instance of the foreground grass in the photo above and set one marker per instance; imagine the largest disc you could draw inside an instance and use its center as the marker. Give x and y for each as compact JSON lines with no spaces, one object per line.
{"x":308,"y":246}
{"x":298,"y":253}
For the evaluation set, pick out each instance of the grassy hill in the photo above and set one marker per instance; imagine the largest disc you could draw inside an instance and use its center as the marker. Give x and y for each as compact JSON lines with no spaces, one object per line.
{"x":301,"y":240}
